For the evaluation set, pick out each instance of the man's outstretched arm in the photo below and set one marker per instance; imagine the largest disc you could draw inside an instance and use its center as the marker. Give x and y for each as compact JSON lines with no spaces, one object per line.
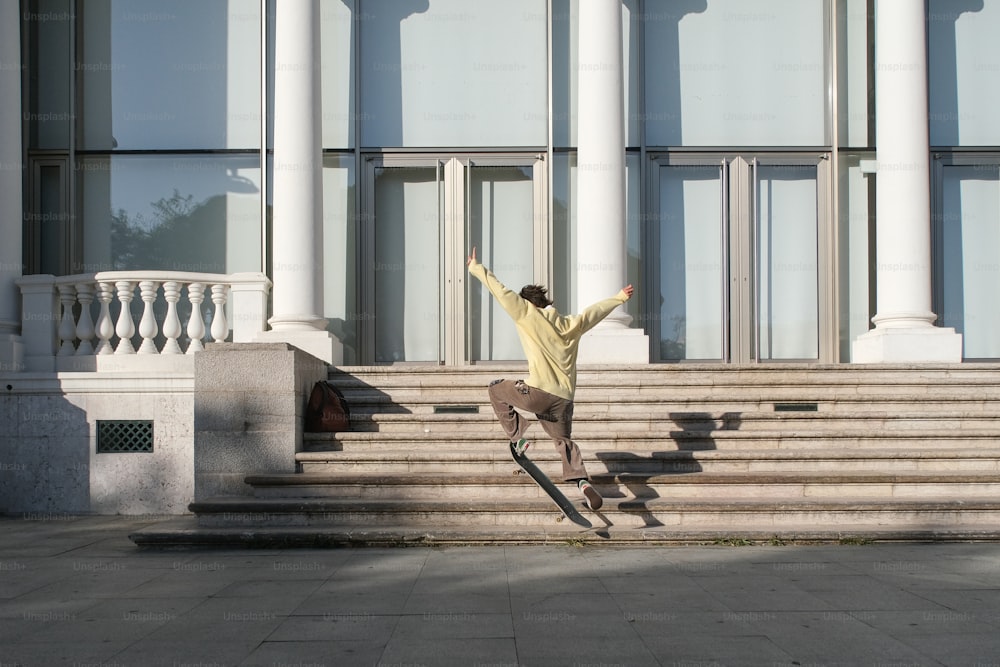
{"x":515,"y":306}
{"x":593,"y":314}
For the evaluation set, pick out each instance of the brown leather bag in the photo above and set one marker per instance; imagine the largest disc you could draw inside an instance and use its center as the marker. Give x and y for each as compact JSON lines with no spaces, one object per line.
{"x":326,"y":411}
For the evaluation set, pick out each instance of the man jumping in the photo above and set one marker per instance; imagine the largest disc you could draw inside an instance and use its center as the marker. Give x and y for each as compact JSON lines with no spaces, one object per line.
{"x":550,"y":343}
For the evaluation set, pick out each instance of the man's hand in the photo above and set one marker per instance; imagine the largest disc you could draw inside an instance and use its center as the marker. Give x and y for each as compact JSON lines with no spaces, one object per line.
{"x":628,"y":289}
{"x":472,"y":257}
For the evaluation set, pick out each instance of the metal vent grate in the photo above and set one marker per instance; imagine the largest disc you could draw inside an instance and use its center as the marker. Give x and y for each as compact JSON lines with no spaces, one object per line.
{"x":796,"y":407}
{"x":456,"y":409}
{"x":124,"y":435}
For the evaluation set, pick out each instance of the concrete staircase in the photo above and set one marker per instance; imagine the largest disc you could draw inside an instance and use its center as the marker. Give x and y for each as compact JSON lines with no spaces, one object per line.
{"x":681,"y":453}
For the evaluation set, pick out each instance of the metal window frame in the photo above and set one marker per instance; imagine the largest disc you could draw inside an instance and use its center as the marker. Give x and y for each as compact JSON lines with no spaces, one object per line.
{"x":453,"y":234}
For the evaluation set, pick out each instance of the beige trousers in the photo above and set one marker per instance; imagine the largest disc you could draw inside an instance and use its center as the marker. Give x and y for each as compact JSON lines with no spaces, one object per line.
{"x":555,"y":414}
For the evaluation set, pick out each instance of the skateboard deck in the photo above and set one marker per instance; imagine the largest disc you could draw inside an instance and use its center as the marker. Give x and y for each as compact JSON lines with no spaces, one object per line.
{"x":557,"y":496}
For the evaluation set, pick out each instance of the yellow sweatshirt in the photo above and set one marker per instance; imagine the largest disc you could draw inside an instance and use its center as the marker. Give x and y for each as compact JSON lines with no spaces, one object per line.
{"x":550,"y":340}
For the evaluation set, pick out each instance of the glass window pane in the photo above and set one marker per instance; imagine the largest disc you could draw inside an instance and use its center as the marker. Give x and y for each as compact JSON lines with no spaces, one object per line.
{"x":51,"y":220}
{"x":182,"y":75}
{"x":634,"y":230}
{"x":969,"y":224}
{"x":563,"y":189}
{"x":735,"y":72}
{"x":502,"y":216}
{"x":854,"y":69}
{"x":340,"y":271}
{"x":337,"y":39}
{"x":407,"y":264}
{"x":964,"y":72}
{"x":786,"y":261}
{"x":692,"y":272}
{"x":49,"y":23}
{"x":453,"y":73}
{"x":180,"y":213}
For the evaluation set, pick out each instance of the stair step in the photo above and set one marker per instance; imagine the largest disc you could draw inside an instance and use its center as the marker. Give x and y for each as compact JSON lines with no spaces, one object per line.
{"x":721,"y":514}
{"x":689,"y":440}
{"x":495,"y":459}
{"x":483,"y":425}
{"x":712,"y":399}
{"x":185,"y":532}
{"x":753,"y":486}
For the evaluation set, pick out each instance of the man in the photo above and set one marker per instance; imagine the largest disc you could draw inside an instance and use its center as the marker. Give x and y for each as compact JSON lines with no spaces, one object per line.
{"x":550,"y":342}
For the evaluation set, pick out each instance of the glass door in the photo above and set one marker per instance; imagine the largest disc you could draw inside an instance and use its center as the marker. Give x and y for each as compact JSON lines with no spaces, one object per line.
{"x":741,"y":246}
{"x":423,"y":215}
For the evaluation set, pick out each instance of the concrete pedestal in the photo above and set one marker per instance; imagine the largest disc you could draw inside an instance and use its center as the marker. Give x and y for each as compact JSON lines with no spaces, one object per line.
{"x":249,"y":406}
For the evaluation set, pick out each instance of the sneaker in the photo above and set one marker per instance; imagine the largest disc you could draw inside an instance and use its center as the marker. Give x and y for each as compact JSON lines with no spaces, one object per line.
{"x":521,"y":446}
{"x":594,"y":500}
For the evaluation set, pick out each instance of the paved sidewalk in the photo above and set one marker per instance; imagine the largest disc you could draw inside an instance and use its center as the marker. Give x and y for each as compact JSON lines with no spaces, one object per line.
{"x":76,"y":591}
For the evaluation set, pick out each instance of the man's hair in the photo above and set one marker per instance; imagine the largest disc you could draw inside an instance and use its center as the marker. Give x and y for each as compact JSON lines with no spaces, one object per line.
{"x":536,"y":295}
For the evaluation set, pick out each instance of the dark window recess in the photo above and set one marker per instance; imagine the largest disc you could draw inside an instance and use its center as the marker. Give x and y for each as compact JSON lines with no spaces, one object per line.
{"x":124,"y":435}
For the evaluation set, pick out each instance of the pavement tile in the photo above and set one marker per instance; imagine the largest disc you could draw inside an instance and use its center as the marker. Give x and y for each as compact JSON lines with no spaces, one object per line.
{"x":455,"y":625}
{"x":462,"y":603}
{"x":56,"y":654}
{"x":335,"y":627}
{"x":373,"y":601}
{"x":438,"y":652}
{"x":710,"y":650}
{"x":583,"y":650}
{"x":183,"y":653}
{"x":314,"y":654}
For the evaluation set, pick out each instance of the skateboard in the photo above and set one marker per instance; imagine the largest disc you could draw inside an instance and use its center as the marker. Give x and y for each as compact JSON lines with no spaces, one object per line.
{"x":564,"y":504}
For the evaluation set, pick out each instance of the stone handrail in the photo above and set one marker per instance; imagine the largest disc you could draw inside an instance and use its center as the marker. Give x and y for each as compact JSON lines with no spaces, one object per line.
{"x":75,"y":316}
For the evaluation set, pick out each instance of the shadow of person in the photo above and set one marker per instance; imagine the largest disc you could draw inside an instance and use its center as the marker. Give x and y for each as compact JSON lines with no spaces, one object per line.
{"x":636,"y":476}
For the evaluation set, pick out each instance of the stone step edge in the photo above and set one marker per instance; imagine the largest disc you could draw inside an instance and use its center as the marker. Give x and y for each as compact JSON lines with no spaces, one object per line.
{"x":626,"y":414}
{"x":702,"y":372}
{"x":410,"y":479}
{"x":667,"y":434}
{"x":399,"y":397}
{"x":185,"y":532}
{"x":489,"y":455}
{"x":248,"y":506}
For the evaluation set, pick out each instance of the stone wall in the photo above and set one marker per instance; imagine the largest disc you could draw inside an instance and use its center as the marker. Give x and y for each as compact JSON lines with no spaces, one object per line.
{"x":48,"y":444}
{"x":219,"y":415}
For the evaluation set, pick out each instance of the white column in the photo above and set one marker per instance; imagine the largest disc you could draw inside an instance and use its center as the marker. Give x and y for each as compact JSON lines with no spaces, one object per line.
{"x":297,"y":228}
{"x":11,"y":348}
{"x":601,"y":249}
{"x":904,"y":326}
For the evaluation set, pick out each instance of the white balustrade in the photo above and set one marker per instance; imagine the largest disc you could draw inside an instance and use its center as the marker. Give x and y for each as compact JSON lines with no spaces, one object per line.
{"x":59,"y":319}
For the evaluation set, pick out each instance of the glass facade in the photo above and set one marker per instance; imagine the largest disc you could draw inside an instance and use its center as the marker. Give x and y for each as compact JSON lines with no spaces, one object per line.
{"x":749,"y":130}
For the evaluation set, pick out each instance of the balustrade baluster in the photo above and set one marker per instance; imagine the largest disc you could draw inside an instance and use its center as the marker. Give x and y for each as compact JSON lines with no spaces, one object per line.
{"x":171,"y":322}
{"x":125,"y":327}
{"x":147,"y":325}
{"x":85,"y":325}
{"x":220,"y":327}
{"x":196,"y":324}
{"x":105,"y":328}
{"x":67,"y":326}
